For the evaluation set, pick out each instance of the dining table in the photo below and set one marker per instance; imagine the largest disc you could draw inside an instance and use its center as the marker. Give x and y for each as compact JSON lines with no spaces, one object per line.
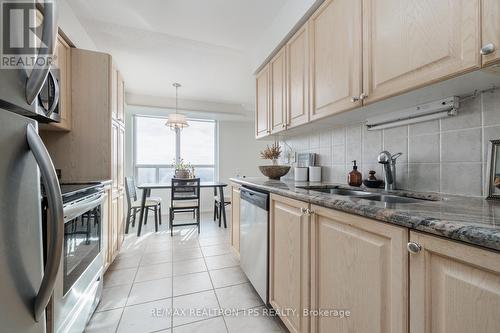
{"x":146,"y":192}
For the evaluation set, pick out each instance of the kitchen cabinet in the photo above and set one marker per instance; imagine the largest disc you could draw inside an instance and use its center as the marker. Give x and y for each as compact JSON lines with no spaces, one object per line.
{"x":235,"y":217}
{"x":62,"y":71}
{"x":410,"y":44}
{"x":120,"y":104}
{"x":335,"y":57}
{"x":453,"y":287}
{"x":289,"y":261}
{"x":94,"y":150}
{"x":106,"y":225}
{"x":360,"y":266}
{"x":277,"y":68}
{"x":490,"y":25}
{"x":297,"y":81}
{"x":262,"y":103}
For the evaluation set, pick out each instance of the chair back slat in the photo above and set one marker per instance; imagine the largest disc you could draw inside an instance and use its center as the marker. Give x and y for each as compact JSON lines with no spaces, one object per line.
{"x":130,"y":190}
{"x":185,"y":189}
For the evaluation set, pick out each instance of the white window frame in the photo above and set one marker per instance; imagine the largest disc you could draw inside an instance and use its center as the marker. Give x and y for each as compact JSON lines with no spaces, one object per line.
{"x":178,"y":136}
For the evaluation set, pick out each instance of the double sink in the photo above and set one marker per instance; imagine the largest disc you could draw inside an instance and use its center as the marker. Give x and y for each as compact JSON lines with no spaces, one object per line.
{"x":387,"y":198}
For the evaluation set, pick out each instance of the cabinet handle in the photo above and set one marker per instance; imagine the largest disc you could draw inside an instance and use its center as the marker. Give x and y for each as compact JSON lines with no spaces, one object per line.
{"x":413,"y":247}
{"x":363,"y":96}
{"x":354,"y":99}
{"x":310,"y":212}
{"x":487,"y":49}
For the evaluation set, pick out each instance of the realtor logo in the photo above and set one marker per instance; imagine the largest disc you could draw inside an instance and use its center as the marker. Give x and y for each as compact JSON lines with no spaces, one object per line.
{"x":22,"y":34}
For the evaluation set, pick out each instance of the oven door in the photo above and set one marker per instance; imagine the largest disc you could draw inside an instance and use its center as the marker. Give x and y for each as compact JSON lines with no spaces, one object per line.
{"x":79,"y":284}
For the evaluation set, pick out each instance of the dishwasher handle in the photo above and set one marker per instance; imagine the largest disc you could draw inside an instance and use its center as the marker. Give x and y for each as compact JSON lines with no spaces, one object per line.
{"x":256,"y":198}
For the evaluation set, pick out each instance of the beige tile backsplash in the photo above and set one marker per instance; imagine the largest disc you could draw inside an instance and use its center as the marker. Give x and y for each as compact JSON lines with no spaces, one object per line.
{"x":447,"y":155}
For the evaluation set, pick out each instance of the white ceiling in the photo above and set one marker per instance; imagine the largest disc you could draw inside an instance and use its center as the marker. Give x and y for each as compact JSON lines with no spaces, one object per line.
{"x":203,"y":44}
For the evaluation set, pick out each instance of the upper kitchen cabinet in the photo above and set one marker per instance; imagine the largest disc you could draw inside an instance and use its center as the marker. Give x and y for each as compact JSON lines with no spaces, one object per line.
{"x":120,"y":103}
{"x":453,"y":287}
{"x":408,"y":44}
{"x":335,"y":57}
{"x":297,"y":108}
{"x":262,"y":103}
{"x":490,"y":48}
{"x":277,"y":72}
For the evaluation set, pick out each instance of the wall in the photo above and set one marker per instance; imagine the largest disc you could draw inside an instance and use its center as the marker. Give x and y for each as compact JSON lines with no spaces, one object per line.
{"x":238,"y":152}
{"x":447,"y":155}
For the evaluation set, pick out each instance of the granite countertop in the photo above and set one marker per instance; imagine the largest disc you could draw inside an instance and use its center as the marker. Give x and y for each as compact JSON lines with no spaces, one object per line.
{"x":468,"y":219}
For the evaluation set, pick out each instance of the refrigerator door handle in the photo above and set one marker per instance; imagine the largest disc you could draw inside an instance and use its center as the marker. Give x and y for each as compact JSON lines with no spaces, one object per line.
{"x":49,"y":36}
{"x":55,"y":224}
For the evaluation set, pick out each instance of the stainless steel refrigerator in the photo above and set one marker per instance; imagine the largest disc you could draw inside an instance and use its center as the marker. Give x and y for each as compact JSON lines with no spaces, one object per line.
{"x":26,"y":284}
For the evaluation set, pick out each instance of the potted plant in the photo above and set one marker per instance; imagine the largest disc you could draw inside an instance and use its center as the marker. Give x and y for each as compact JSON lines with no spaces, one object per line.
{"x":183,"y":169}
{"x":274,"y":171}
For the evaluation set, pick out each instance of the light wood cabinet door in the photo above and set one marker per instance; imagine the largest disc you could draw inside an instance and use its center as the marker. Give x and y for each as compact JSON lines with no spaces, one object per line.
{"x":114,"y":154}
{"x":113,"y":248}
{"x":454,"y":288}
{"x":335,"y":57}
{"x":297,"y":87}
{"x":113,"y":91}
{"x":358,"y":265}
{"x":262,"y":103}
{"x":408,"y":44}
{"x":235,"y":218}
{"x":490,"y":24}
{"x":120,"y":96}
{"x":289,"y":261}
{"x":121,"y":157}
{"x":277,"y":68}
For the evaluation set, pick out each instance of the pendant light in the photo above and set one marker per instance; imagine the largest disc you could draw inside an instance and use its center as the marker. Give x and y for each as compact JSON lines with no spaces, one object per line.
{"x":176,"y":121}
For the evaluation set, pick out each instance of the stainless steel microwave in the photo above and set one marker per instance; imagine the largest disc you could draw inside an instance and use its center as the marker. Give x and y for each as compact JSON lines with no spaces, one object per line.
{"x":32,"y":91}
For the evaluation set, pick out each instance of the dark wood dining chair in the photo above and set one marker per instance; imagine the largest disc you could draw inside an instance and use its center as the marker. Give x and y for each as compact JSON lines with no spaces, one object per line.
{"x":218,"y":206}
{"x":134,"y":205}
{"x":184,"y":197}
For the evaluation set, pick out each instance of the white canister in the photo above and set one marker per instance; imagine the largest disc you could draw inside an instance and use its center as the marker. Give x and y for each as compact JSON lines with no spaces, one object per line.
{"x":300,"y":174}
{"x":314,"y":173}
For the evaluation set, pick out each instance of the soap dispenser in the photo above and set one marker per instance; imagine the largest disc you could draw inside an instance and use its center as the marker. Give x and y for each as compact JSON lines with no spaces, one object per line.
{"x":355,"y":178}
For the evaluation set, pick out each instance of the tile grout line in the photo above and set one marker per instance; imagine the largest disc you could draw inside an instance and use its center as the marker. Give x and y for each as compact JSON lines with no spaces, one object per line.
{"x":128,"y":295}
{"x":216,"y":297}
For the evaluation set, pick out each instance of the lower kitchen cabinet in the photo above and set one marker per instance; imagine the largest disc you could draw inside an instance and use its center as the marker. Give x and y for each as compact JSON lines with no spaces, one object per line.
{"x":453,"y":287}
{"x":357,"y":265}
{"x":289,"y":261}
{"x":235,"y":217}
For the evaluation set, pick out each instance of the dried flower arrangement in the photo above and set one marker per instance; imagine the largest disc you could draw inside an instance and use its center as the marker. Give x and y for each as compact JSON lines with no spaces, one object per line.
{"x":271,"y":153}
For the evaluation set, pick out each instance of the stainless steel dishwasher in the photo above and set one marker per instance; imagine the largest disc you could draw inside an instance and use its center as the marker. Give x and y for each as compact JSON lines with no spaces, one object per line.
{"x":254,"y":226}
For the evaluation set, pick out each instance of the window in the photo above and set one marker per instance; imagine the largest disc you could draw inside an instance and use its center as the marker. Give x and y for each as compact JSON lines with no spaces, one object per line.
{"x":157,"y":147}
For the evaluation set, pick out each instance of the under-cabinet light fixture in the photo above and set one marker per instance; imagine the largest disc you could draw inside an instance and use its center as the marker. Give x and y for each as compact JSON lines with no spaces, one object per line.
{"x":443,"y":108}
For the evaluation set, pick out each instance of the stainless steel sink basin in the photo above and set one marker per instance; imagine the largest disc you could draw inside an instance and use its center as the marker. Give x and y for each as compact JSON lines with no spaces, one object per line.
{"x":342,"y":191}
{"x":394,"y":199}
{"x":364,"y":195}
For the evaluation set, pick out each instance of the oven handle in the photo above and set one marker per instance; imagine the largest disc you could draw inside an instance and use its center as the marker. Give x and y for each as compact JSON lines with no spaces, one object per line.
{"x":72,"y":211}
{"x":55,"y":225}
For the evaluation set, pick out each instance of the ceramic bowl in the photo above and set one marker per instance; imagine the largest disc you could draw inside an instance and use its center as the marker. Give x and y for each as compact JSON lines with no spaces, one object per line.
{"x":274,"y":171}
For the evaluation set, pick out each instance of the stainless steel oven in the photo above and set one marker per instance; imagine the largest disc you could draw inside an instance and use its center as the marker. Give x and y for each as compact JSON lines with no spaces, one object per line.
{"x":79,"y":284}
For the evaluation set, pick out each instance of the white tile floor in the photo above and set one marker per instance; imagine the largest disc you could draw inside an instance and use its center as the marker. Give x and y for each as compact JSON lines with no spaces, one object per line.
{"x":185,"y":283}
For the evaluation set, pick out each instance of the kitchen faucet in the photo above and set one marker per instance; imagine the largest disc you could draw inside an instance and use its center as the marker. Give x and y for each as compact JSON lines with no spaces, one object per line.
{"x":389,"y":162}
